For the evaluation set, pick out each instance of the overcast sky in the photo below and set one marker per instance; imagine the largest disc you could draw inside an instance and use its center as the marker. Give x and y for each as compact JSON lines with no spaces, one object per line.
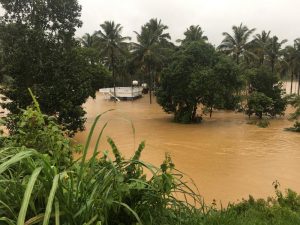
{"x":282,"y":17}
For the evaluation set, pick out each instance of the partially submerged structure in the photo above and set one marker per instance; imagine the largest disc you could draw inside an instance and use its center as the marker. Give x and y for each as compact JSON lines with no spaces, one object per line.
{"x":122,"y":93}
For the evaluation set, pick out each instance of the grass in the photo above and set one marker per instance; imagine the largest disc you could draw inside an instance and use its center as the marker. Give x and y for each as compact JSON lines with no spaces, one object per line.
{"x":40,"y":183}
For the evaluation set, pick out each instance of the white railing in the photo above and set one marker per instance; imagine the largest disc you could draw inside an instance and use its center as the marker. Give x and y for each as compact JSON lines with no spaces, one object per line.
{"x":123,"y":92}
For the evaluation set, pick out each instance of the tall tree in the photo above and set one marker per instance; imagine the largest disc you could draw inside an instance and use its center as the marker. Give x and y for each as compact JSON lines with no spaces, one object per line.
{"x":263,"y":81}
{"x":112,"y":44}
{"x":260,"y":44}
{"x":197,"y":75}
{"x":274,"y":50}
{"x":88,"y":40}
{"x":193,"y":33}
{"x":297,"y":48}
{"x":291,"y":62}
{"x":41,"y":53}
{"x":151,"y":48}
{"x":236,"y":44}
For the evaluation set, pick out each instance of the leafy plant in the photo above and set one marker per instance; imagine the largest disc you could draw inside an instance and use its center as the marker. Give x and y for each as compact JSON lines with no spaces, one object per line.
{"x":295,"y":102}
{"x":39,"y":186}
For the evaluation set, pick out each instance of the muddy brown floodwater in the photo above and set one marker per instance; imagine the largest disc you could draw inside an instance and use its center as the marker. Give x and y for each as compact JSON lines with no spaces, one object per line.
{"x":227,"y":158}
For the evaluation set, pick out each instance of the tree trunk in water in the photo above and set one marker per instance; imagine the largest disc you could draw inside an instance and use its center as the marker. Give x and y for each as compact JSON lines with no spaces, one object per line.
{"x":298,"y":84}
{"x":150,"y":85}
{"x":113,"y":74}
{"x":210,"y":112}
{"x":292,"y":80}
{"x":194,"y":113}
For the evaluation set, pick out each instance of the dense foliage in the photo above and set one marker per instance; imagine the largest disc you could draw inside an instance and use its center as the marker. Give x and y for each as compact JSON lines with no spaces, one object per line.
{"x":295,"y":102}
{"x":265,"y":93}
{"x":197,"y":75}
{"x":39,"y":51}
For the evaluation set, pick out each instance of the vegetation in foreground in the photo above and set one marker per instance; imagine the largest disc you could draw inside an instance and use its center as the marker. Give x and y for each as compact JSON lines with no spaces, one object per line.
{"x":41,"y":183}
{"x":295,"y":102}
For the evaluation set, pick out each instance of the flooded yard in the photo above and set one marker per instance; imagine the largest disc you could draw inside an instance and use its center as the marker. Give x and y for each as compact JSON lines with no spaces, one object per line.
{"x":226,"y":157}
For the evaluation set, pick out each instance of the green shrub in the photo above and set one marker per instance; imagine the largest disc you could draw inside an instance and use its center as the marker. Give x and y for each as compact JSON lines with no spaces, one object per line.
{"x":263,"y":123}
{"x":294,"y":100}
{"x":39,"y":186}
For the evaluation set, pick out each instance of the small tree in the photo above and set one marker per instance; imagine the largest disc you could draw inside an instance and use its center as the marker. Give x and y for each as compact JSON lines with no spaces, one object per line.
{"x":295,"y":102}
{"x":262,"y":80}
{"x":258,"y":104}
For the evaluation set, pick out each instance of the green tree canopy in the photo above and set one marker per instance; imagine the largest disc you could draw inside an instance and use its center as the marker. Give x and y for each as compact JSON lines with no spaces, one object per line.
{"x":151,"y":50}
{"x":112,"y":45}
{"x":236,"y":44}
{"x":41,"y":53}
{"x":193,"y":33}
{"x":263,"y":81}
{"x":196,"y":75}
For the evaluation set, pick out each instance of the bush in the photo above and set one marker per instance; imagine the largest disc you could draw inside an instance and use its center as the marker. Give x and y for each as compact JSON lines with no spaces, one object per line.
{"x":294,"y":100}
{"x":263,"y":123}
{"x":40,"y":183}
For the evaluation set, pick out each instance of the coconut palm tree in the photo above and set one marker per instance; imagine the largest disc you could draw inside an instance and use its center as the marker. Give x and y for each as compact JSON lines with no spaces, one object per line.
{"x":291,"y":59}
{"x":150,"y":49}
{"x":260,"y":45}
{"x":289,"y":54}
{"x":297,"y":48}
{"x":193,"y":33}
{"x":236,"y":44}
{"x":274,"y":50}
{"x":111,"y":44}
{"x":88,"y":40}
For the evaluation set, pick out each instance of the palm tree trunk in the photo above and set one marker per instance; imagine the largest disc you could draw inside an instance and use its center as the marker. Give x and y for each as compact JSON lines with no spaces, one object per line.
{"x":292,"y":80}
{"x":150,"y":85}
{"x":210,"y":111}
{"x":262,"y":60}
{"x":113,"y":74}
{"x":298,"y":83}
{"x":194,"y":113}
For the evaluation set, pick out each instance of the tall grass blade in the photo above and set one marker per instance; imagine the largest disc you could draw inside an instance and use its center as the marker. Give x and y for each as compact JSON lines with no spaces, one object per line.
{"x":27,"y":195}
{"x":132,"y":211}
{"x":88,"y":203}
{"x":86,"y":148}
{"x":92,"y":160}
{"x":56,"y":206}
{"x":7,"y":221}
{"x":7,"y":207}
{"x":92,"y":220}
{"x":87,"y":144}
{"x":35,"y":220}
{"x":50,"y":200}
{"x":18,"y":157}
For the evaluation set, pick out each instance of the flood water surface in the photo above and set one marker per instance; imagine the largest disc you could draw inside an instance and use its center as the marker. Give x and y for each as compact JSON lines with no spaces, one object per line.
{"x":227,"y":158}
